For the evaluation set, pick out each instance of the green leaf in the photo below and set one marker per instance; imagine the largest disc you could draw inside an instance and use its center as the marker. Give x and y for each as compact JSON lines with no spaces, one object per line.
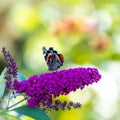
{"x":2,"y":82}
{"x":35,"y":113}
{"x":7,"y":116}
{"x":20,"y":76}
{"x":1,"y":108}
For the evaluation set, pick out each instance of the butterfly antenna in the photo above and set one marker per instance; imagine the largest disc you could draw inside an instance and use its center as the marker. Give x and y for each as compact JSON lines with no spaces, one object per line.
{"x":44,"y":49}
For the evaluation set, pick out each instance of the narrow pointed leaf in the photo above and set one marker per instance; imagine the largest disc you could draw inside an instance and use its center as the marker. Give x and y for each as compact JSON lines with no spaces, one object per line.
{"x":35,"y":113}
{"x":2,"y":82}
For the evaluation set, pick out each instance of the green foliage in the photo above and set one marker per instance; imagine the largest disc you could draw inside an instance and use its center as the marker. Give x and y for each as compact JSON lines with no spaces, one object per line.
{"x":68,"y":2}
{"x":35,"y":113}
{"x":2,"y":82}
{"x":7,"y":116}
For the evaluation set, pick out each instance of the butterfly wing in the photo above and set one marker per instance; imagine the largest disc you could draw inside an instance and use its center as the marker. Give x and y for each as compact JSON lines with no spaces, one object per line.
{"x":48,"y":57}
{"x":54,"y":62}
{"x":61,"y":57}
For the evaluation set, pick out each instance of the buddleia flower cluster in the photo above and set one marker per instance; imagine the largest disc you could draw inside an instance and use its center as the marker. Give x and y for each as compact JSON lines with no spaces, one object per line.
{"x":44,"y":88}
{"x":10,"y":64}
{"x":41,"y":90}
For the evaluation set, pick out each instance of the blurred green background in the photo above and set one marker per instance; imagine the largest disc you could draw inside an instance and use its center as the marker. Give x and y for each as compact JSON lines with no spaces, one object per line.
{"x":86,"y":32}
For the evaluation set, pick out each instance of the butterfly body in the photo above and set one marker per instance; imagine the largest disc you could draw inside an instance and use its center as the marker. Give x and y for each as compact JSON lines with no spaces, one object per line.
{"x":52,"y":58}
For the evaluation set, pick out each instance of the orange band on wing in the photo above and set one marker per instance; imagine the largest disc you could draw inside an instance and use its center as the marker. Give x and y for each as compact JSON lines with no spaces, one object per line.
{"x":48,"y":57}
{"x":61,"y":57}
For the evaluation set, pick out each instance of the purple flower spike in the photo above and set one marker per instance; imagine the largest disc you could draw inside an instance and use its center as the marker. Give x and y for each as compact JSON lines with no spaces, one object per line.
{"x":57,"y":105}
{"x":11,"y":73}
{"x":41,"y":89}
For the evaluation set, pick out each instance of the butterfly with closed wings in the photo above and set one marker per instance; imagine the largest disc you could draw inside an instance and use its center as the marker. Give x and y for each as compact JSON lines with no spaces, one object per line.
{"x":52,"y":58}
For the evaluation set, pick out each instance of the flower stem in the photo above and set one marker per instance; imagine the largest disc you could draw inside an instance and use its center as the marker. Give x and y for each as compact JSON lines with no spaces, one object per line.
{"x":17,"y":103}
{"x":9,"y":98}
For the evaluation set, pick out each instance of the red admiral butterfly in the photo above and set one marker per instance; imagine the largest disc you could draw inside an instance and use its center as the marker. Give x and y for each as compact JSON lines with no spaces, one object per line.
{"x":52,"y":58}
